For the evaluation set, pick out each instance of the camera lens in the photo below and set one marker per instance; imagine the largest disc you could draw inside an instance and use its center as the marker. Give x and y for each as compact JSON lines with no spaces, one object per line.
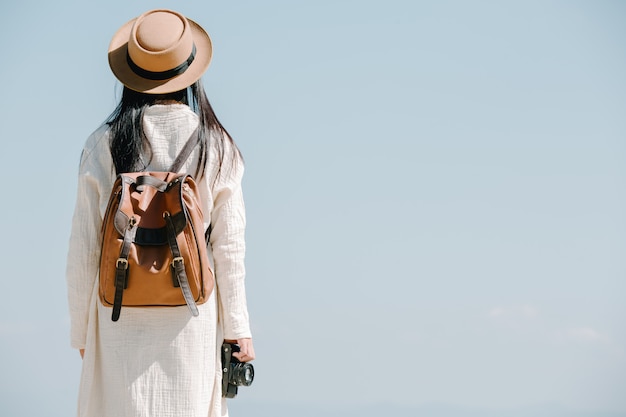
{"x":242,"y":374}
{"x":248,"y":376}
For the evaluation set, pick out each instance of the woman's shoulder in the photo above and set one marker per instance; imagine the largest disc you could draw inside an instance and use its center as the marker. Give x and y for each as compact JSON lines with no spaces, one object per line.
{"x":96,"y":149}
{"x":225,"y":164}
{"x":97,"y":138}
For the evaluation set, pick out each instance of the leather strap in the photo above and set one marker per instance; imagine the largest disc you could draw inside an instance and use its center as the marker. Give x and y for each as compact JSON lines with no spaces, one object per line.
{"x":158,"y":237}
{"x":121,"y":269}
{"x":147,"y":180}
{"x":186,"y":151}
{"x":178,"y":266}
{"x":193,"y":140}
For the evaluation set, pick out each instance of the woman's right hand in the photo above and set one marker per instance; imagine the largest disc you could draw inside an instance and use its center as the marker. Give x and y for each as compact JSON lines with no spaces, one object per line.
{"x":246,"y":352}
{"x":82,"y":353}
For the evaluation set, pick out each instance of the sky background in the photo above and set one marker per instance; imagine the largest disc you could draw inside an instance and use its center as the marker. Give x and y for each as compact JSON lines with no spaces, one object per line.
{"x":435,"y":196}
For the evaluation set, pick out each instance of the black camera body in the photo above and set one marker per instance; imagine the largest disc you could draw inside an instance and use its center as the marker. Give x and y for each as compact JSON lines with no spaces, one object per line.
{"x":234,"y":372}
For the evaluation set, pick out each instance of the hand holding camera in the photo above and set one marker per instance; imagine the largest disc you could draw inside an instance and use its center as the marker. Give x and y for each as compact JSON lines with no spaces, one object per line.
{"x":246,"y":349}
{"x":236,"y":373}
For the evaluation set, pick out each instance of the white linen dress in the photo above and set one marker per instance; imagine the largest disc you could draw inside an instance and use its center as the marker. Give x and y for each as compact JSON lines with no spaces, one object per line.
{"x":156,"y":362}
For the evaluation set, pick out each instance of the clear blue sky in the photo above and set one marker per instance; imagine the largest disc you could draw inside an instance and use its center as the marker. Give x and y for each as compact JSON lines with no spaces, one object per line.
{"x":435,"y":195}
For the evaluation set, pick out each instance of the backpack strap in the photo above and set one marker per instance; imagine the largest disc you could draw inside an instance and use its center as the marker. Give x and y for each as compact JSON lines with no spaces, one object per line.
{"x":178,"y":265}
{"x":193,"y":140}
{"x":186,"y":151}
{"x":121,"y":269}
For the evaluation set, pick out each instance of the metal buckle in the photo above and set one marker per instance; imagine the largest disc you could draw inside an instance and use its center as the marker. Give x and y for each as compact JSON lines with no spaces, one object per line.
{"x":123,"y":262}
{"x":177,"y":259}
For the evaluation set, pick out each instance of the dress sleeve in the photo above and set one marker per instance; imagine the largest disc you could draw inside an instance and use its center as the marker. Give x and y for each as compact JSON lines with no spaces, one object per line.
{"x":228,"y":222}
{"x":84,"y":245}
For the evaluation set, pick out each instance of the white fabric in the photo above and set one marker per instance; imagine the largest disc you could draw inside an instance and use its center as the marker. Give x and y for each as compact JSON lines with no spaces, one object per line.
{"x":156,"y":362}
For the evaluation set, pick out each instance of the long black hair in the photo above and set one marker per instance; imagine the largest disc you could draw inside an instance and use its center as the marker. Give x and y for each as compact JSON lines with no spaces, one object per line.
{"x":131,"y":149}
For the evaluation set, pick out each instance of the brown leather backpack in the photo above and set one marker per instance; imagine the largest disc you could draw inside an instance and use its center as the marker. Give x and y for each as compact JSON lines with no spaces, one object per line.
{"x":154,"y":251}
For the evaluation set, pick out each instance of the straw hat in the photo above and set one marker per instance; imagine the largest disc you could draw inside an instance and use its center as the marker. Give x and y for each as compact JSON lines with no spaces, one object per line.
{"x":160,"y":52}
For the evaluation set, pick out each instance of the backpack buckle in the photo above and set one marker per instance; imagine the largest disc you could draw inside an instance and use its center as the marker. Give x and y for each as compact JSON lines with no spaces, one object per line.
{"x":177,"y":259}
{"x":121,"y":263}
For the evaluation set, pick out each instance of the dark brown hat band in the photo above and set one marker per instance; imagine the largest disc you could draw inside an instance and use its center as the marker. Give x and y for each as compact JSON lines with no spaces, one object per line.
{"x":161,"y":75}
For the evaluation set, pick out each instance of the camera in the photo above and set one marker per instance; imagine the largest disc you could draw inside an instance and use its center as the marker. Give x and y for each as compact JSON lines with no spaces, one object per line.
{"x":234,"y":372}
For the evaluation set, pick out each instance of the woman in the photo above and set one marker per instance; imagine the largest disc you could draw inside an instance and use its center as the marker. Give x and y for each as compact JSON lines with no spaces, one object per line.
{"x":158,"y":361}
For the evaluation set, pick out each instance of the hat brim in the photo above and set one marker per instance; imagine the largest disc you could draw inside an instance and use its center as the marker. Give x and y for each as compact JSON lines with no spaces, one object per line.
{"x":118,"y":50}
